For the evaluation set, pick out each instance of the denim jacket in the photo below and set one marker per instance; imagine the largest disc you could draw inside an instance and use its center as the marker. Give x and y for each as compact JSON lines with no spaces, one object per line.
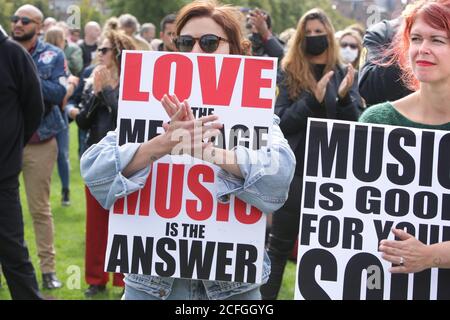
{"x":51,"y":65}
{"x":265,"y":185}
{"x":52,"y":69}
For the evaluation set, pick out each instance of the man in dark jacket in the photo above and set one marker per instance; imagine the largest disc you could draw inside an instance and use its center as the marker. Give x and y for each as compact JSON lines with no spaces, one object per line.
{"x":378,"y":83}
{"x":39,"y":156}
{"x":21,"y":109}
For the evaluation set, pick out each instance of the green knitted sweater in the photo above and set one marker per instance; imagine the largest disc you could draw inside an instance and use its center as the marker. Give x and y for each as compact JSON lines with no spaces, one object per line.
{"x":385,"y":113}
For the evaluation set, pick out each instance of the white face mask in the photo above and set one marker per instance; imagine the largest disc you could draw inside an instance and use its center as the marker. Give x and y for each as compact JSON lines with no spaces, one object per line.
{"x":348,"y":54}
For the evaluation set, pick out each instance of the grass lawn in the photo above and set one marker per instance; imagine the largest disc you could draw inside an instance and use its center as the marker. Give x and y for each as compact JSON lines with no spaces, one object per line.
{"x":70,"y":239}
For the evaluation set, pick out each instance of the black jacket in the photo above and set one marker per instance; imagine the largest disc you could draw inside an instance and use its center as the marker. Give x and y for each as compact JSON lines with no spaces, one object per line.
{"x":98,"y":113}
{"x":377,"y":83}
{"x":21,"y":107}
{"x":271,"y":48}
{"x":294,"y":114}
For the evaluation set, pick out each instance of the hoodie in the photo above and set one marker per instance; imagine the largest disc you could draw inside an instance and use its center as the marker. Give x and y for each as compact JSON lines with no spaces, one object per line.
{"x":21,"y":107}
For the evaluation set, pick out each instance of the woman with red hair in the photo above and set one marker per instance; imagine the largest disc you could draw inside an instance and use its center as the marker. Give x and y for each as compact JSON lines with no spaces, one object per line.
{"x":422,"y":48}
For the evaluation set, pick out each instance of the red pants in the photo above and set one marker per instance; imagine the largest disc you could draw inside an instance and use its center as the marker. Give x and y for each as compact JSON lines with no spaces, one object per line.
{"x":96,"y":239}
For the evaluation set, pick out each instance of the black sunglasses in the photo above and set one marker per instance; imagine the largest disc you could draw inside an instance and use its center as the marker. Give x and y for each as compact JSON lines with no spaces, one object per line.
{"x":208,"y":42}
{"x":104,"y":50}
{"x":351,"y":45}
{"x":25,"y":20}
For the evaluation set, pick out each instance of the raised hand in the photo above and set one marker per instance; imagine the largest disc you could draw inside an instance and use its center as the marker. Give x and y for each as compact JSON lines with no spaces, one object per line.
{"x":103,"y":78}
{"x":259,"y":20}
{"x":321,"y":87}
{"x":347,"y":82}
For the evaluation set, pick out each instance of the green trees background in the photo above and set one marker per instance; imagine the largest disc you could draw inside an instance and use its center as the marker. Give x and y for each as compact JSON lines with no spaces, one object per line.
{"x":284,"y":13}
{"x":87,"y":11}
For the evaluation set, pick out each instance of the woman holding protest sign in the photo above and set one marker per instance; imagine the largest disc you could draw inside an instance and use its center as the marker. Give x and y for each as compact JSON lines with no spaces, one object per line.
{"x":312,"y":84}
{"x":422,"y":49}
{"x":112,"y":172}
{"x":97,"y":113}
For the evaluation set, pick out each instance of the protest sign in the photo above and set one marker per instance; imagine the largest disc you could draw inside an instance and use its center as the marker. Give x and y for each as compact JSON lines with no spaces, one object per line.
{"x":175,"y":226}
{"x":360,"y":181}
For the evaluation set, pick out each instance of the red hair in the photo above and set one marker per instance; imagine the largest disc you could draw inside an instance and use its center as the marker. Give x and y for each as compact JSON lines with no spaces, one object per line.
{"x":436,"y":13}
{"x":227,"y":17}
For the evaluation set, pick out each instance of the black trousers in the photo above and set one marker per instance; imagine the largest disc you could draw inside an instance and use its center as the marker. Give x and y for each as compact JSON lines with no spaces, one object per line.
{"x":282,"y":237}
{"x":14,"y":258}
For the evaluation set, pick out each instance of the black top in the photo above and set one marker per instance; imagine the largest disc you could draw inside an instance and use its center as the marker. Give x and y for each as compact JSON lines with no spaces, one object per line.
{"x":87,"y":53}
{"x":98,"y":114}
{"x":21,"y":107}
{"x":317,"y":70}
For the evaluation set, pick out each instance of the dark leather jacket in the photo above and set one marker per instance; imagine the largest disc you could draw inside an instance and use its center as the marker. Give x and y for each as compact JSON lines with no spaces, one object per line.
{"x":379,"y":83}
{"x":98,"y":113}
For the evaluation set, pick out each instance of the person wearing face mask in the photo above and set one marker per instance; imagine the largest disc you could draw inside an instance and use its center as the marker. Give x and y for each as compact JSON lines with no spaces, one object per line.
{"x":311,"y":83}
{"x":350,"y":44}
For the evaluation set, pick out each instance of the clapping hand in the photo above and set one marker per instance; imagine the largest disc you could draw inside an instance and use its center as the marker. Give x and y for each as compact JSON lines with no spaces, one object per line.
{"x":103,"y":78}
{"x":321,"y":87}
{"x":347,"y":82}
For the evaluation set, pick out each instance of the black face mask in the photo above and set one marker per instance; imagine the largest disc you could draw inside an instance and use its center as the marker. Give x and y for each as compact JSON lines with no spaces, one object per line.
{"x":316,"y":45}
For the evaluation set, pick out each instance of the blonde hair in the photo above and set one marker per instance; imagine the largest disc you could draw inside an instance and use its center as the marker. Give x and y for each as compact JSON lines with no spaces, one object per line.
{"x":287,"y":35}
{"x":111,"y":24}
{"x":296,"y":65}
{"x":353,"y":33}
{"x":55,"y":35}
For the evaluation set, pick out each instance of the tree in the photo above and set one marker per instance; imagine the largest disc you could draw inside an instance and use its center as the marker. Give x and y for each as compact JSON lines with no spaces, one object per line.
{"x":89,"y":13}
{"x":146,"y":11}
{"x":284,"y":13}
{"x":6,"y":10}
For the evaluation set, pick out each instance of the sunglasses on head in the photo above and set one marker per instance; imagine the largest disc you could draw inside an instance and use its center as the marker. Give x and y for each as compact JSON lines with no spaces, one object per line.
{"x":351,"y":45}
{"x":208,"y":42}
{"x":104,"y":50}
{"x":25,"y":20}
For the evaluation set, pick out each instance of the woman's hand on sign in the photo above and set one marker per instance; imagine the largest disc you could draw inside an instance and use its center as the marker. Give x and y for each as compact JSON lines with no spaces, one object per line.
{"x":321,"y":87}
{"x":186,"y":135}
{"x":347,"y":82}
{"x":171,"y":104}
{"x":408,"y":254}
{"x":183,"y":134}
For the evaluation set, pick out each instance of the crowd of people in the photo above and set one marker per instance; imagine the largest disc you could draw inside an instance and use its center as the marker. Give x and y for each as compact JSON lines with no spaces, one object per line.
{"x":394,"y":73}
